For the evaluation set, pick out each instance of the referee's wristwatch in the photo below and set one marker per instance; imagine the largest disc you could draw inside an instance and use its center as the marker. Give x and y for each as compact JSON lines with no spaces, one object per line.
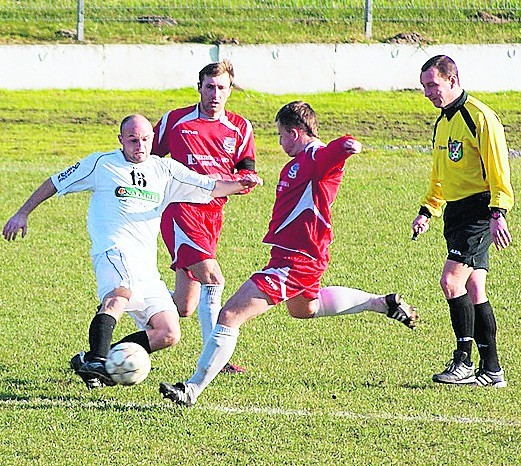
{"x":496,"y":214}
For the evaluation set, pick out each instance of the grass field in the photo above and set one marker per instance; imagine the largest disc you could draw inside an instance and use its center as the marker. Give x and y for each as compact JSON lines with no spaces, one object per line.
{"x":260,"y":21}
{"x":353,"y":390}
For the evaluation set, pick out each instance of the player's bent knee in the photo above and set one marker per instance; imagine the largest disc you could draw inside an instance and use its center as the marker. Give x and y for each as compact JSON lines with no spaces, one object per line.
{"x":164,"y":330}
{"x":300,"y":308}
{"x":301,"y":314}
{"x":169,"y":338}
{"x":448,"y":286}
{"x":184,"y":312}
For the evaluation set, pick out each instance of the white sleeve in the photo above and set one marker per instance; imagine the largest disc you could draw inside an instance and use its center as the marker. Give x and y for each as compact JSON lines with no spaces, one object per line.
{"x":78,"y":177}
{"x":187,"y":185}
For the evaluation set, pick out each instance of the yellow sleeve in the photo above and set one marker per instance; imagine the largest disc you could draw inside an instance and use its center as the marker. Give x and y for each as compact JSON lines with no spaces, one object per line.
{"x":433,"y":200}
{"x":494,"y":155}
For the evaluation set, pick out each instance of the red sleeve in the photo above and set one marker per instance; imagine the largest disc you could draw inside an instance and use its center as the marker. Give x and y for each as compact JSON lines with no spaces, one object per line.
{"x":160,"y":142}
{"x":333,"y":156}
{"x":248,"y":146}
{"x":246,"y":149}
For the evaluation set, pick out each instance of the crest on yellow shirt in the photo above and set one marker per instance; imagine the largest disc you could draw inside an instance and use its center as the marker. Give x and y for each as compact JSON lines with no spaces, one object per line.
{"x":455,"y":150}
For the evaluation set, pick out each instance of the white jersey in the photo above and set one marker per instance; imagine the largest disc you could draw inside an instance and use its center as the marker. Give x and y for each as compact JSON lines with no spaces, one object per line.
{"x":128,"y":199}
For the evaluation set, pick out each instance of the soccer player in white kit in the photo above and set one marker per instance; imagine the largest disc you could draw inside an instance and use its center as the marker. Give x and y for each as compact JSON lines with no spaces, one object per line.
{"x":130,"y":189}
{"x":299,"y":234}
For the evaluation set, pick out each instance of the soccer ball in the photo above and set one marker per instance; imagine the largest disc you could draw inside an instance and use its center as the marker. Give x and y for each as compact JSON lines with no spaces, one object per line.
{"x":128,"y":363}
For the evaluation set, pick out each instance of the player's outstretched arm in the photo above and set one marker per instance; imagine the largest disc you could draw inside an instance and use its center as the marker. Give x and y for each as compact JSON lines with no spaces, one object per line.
{"x":226,"y":188}
{"x":234,"y":176}
{"x":19,"y":220}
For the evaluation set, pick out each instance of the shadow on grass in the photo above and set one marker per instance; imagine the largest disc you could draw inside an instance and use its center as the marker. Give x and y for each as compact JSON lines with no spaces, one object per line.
{"x":29,"y":402}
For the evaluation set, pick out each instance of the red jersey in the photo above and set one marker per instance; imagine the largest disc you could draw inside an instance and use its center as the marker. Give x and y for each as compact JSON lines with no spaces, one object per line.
{"x":209,"y":147}
{"x":307,"y":187}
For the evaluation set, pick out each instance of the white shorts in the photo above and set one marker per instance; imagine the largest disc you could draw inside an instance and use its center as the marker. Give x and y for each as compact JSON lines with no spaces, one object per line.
{"x":149,"y":297}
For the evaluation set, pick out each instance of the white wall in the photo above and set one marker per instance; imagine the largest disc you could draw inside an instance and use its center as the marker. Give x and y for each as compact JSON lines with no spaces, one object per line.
{"x":276,"y":69}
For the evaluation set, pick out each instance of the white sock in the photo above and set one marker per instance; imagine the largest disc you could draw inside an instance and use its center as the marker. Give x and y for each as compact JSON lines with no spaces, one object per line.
{"x":216,"y":353}
{"x":208,"y":309}
{"x":339,"y":300}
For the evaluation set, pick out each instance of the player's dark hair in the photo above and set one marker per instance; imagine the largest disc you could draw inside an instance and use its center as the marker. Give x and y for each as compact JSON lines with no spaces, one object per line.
{"x":216,"y":69}
{"x":300,"y":115}
{"x":445,"y":65}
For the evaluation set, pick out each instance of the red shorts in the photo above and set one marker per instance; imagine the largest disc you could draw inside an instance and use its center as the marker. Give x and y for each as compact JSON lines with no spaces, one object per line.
{"x":290,"y":274}
{"x":191,"y":233}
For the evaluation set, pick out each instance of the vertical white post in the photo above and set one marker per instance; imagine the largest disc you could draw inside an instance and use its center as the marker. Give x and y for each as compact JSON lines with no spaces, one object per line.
{"x":368,"y":18}
{"x":80,"y":27}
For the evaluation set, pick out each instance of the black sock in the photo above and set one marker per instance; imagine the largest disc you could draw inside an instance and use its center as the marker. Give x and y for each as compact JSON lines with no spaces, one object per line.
{"x":485,"y":335}
{"x":100,"y":335}
{"x":462,"y":316}
{"x":141,"y":338}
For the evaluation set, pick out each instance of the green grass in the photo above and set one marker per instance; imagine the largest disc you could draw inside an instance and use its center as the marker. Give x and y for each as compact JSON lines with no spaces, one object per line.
{"x":256,"y":21}
{"x":352,"y":390}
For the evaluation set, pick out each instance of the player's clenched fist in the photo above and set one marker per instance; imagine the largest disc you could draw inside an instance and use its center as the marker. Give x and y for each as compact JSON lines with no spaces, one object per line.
{"x":250,"y":180}
{"x":353,"y":146}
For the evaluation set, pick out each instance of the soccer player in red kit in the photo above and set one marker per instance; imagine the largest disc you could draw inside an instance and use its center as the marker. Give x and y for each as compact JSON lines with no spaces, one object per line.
{"x":212,"y":141}
{"x":299,"y":234}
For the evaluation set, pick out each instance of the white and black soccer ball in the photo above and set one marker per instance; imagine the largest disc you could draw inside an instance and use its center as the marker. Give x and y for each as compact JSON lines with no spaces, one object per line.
{"x":128,"y":363}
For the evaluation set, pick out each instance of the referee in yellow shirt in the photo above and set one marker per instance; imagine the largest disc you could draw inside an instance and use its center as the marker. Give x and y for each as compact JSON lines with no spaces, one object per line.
{"x":470,"y":184}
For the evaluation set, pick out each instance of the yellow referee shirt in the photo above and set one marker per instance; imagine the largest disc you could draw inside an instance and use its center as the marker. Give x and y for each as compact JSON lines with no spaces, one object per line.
{"x":470,"y":156}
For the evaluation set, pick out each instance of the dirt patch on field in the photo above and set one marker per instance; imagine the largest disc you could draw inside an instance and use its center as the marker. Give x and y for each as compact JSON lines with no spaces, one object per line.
{"x":490,"y":18}
{"x":407,"y":38}
{"x":157,"y":21}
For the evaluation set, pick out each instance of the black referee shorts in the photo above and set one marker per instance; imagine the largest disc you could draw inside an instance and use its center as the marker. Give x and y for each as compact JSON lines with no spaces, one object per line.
{"x":467,"y":230}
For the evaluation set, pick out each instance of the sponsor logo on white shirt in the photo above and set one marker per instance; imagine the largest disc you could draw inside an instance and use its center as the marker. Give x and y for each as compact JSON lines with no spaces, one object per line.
{"x":66,"y":173}
{"x":136,"y":193}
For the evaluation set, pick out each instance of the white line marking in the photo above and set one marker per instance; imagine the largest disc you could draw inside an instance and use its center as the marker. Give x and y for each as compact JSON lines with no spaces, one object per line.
{"x":369,"y":416}
{"x":78,"y":404}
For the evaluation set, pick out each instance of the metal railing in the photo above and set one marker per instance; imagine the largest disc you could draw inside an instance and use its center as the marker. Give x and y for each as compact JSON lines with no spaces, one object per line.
{"x":301,"y":11}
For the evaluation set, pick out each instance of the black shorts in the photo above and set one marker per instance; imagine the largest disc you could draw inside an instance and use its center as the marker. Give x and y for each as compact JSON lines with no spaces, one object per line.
{"x":467,"y":230}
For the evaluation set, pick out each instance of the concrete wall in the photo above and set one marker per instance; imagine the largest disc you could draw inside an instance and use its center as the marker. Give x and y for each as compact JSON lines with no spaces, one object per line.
{"x":277,"y":69}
